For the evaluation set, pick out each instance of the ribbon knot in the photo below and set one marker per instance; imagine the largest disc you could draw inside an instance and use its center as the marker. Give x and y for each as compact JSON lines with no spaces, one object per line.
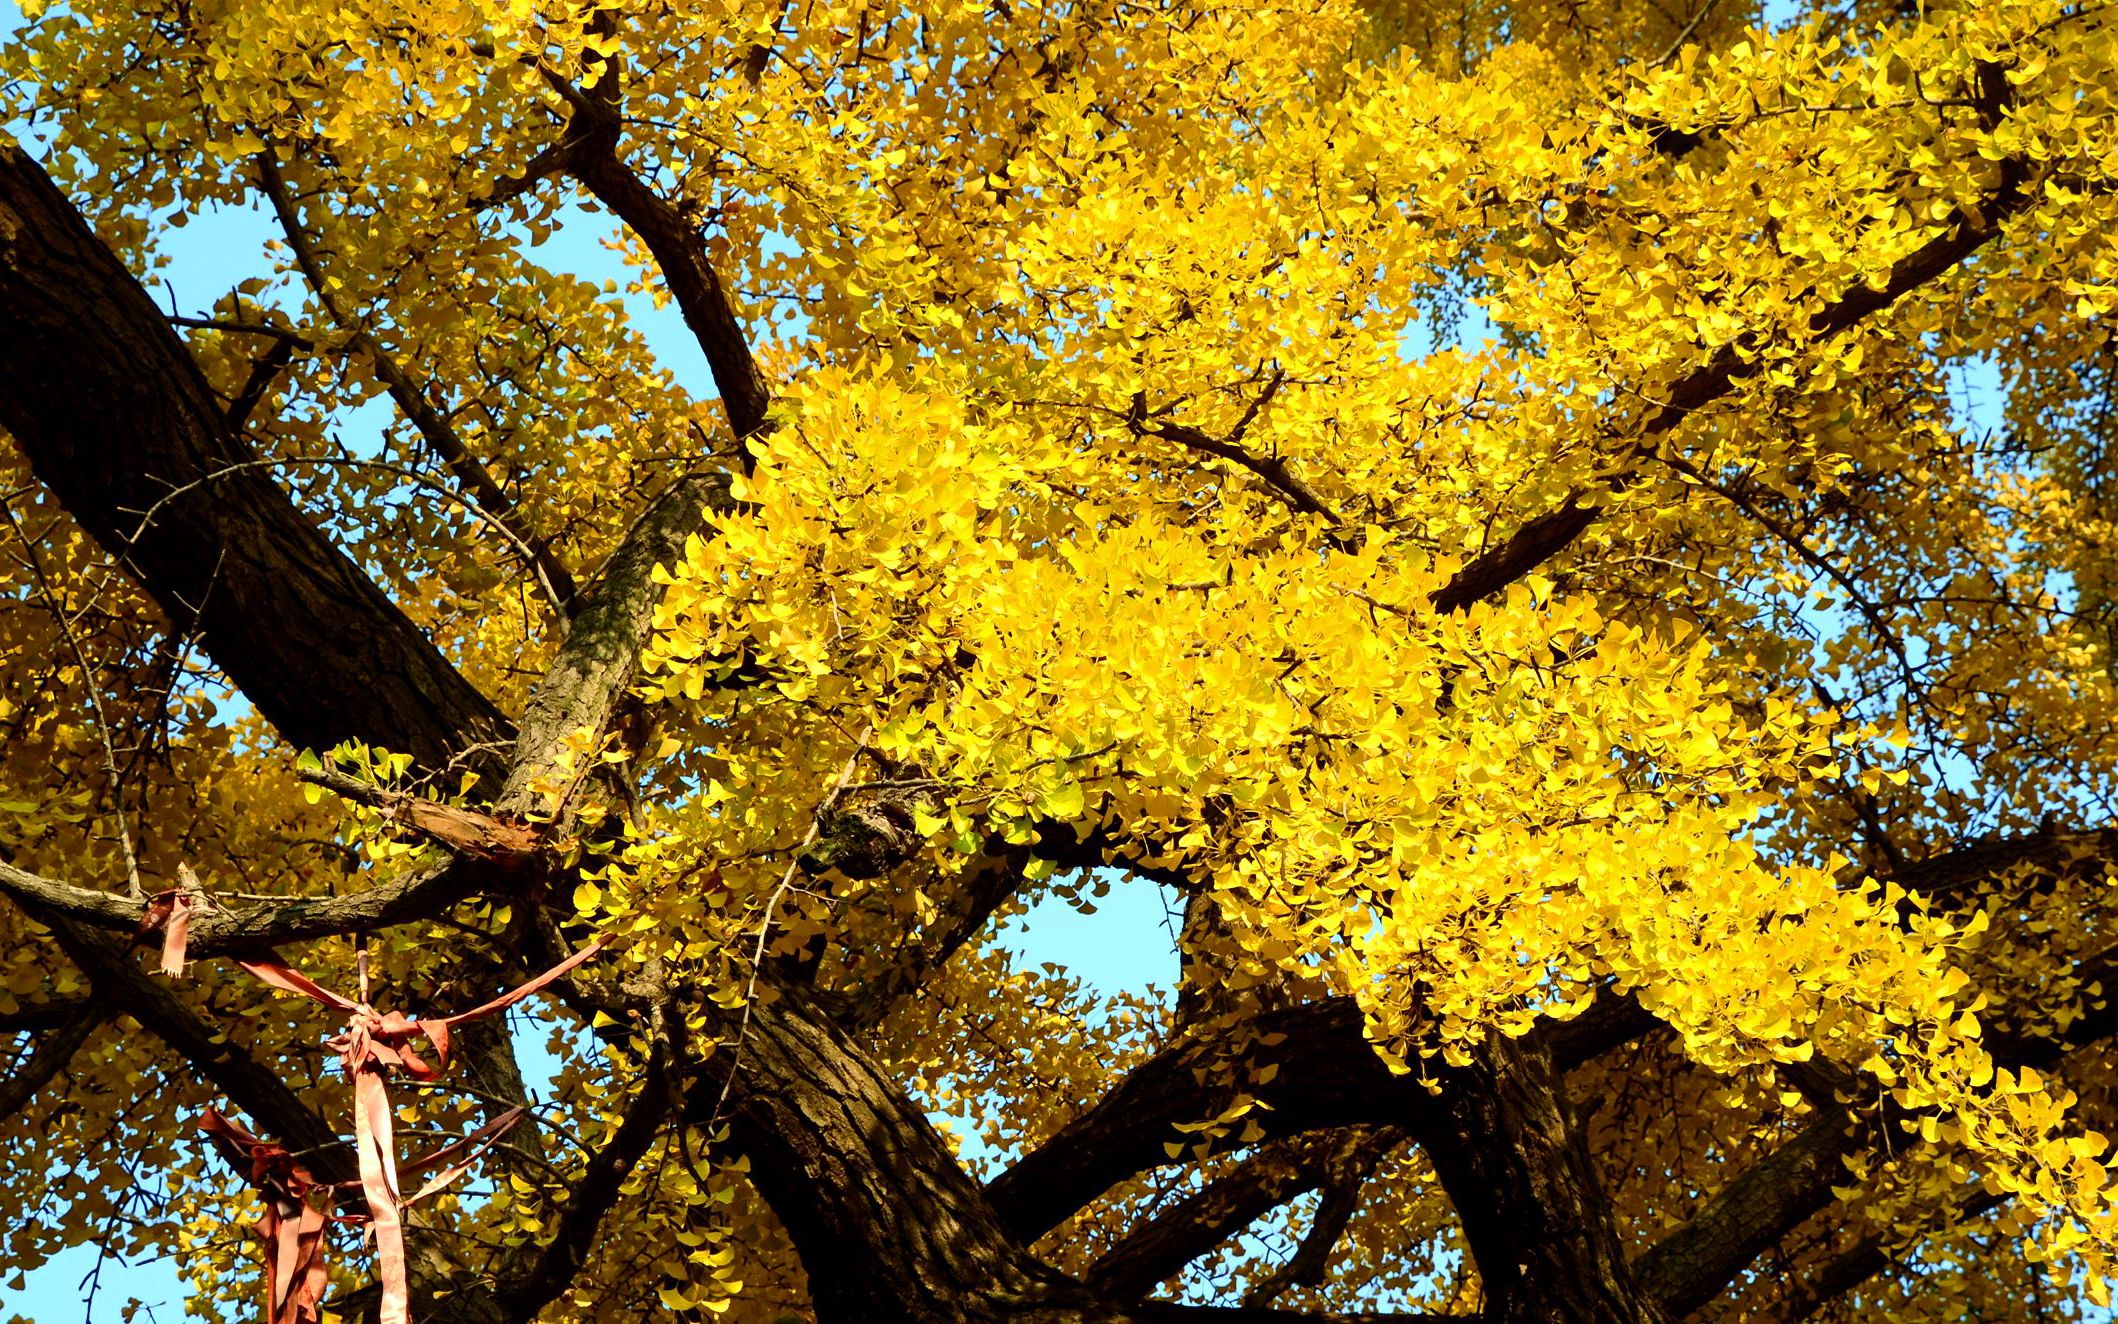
{"x":374,"y":1046}
{"x":171,"y":912}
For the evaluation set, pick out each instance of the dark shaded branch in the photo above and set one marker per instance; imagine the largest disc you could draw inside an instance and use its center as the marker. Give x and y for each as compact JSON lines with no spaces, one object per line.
{"x":689,"y":273}
{"x":44,"y":1015}
{"x":889,"y":1224}
{"x":1695,"y":1263}
{"x":1524,"y":550}
{"x":1346,"y":1167}
{"x":53,"y":1047}
{"x":589,"y":153}
{"x":113,"y":415}
{"x":286,"y":335}
{"x":263,"y":372}
{"x":1155,"y":1250}
{"x":1965,"y":867}
{"x":981,"y":888}
{"x":592,"y":1196}
{"x":1327,"y":1075}
{"x":1859,"y":1263}
{"x":1279,"y":479}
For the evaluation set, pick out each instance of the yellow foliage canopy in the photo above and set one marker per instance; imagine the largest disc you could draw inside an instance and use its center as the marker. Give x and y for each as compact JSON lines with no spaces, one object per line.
{"x":1478,"y":502}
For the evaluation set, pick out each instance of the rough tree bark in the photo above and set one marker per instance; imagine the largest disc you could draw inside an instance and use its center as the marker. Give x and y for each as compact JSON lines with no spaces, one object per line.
{"x":1511,"y":1154}
{"x":119,"y":423}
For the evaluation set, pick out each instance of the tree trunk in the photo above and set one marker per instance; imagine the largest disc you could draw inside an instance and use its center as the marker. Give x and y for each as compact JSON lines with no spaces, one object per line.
{"x":1515,"y":1163}
{"x":889,"y":1226}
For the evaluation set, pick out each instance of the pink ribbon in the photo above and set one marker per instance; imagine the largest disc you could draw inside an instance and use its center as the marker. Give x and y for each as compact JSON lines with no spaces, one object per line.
{"x":371,"y":1047}
{"x":293,"y":1229}
{"x":171,"y":912}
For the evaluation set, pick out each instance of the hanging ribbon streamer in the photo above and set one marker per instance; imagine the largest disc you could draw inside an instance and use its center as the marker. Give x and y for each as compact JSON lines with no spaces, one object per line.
{"x":292,"y":1228}
{"x":172,"y":912}
{"x":371,"y":1047}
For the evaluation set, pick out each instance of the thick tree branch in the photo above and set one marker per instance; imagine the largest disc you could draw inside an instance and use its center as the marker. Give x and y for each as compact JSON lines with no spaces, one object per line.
{"x":582,"y":688}
{"x":248,"y":927}
{"x":113,"y":415}
{"x":890,"y":1224}
{"x":1696,"y":1262}
{"x":1963,"y":868}
{"x":1321,"y":1072}
{"x":43,"y":1015}
{"x":689,"y":272}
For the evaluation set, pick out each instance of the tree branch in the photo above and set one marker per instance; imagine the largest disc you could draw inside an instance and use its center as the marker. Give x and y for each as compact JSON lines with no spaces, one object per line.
{"x":411,"y":397}
{"x":1695,"y":1263}
{"x":1323,"y":1074}
{"x":982,"y":887}
{"x":1860,"y":1262}
{"x":589,"y":153}
{"x":259,"y":924}
{"x":54,"y":1046}
{"x":113,"y":414}
{"x":594,"y":668}
{"x":593,"y":1196}
{"x":1158,"y":1248}
{"x":1968,"y":229}
{"x":1346,"y":1168}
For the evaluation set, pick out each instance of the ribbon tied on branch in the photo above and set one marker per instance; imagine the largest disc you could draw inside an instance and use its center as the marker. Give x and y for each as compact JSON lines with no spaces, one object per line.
{"x":372,"y":1047}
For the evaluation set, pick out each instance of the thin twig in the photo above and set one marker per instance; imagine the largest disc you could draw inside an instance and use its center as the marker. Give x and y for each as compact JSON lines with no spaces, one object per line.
{"x":409,"y":475}
{"x":1677,"y":44}
{"x":410,"y":395}
{"x":133,"y":886}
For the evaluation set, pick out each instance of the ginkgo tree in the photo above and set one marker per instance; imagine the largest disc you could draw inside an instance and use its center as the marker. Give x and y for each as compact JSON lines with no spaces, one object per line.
{"x":1472,"y":499}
